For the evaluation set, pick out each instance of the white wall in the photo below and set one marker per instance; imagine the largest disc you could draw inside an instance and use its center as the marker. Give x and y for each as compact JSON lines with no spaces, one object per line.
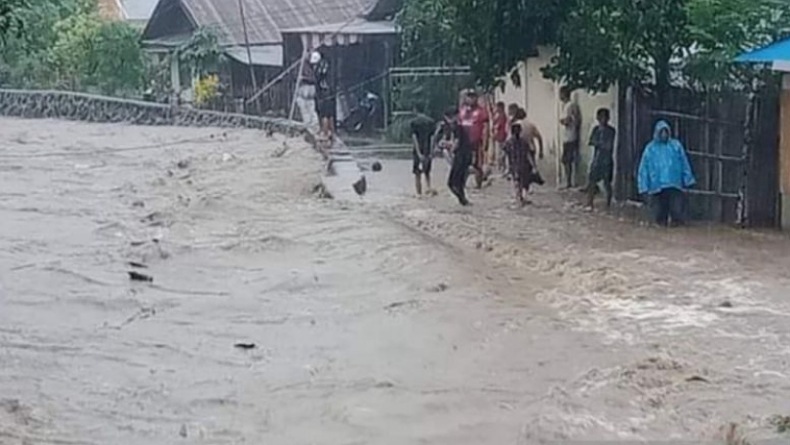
{"x":540,"y":97}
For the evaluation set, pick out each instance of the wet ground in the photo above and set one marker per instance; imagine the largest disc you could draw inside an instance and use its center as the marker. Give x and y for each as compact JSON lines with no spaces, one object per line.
{"x":278,"y":316}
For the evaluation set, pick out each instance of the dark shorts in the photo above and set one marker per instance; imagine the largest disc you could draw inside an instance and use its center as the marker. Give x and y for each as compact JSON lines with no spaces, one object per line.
{"x":325,"y":107}
{"x":523,"y":176}
{"x":421,"y":165}
{"x":570,"y":152}
{"x":601,"y":171}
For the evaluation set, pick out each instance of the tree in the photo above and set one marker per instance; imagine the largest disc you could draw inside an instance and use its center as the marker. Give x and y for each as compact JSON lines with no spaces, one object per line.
{"x":10,"y":21}
{"x":67,"y":45}
{"x":722,"y":29}
{"x":201,"y":53}
{"x":630,"y":42}
{"x":491,"y":36}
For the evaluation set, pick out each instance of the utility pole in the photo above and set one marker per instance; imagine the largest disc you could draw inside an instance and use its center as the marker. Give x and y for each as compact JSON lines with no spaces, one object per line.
{"x":249,"y":51}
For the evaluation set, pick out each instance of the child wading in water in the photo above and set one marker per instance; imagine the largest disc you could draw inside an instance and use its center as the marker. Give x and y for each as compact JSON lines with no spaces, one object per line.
{"x":522,"y":163}
{"x":602,"y":167}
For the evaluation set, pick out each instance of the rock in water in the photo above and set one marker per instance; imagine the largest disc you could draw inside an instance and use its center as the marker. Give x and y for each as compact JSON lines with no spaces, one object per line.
{"x":361,"y":186}
{"x":376,"y":166}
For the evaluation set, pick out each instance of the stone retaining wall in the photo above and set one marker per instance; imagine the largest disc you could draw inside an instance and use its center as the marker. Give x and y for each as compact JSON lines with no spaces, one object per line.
{"x":93,"y":108}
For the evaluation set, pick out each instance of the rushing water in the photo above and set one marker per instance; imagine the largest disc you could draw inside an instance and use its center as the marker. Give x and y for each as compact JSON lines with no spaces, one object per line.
{"x":383,"y":319}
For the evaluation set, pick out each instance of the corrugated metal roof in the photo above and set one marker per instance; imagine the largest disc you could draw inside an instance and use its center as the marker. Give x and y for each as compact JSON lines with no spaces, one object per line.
{"x":138,"y":9}
{"x":268,"y":55}
{"x":358,"y":26}
{"x":266,"y":18}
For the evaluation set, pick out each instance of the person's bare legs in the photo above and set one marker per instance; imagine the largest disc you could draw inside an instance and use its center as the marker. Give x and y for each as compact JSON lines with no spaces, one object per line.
{"x":568,"y":174}
{"x":428,"y":187}
{"x":592,"y":187}
{"x":607,"y":186}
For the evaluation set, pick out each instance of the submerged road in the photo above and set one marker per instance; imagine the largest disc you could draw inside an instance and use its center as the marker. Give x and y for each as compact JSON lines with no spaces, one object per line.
{"x":278,"y":316}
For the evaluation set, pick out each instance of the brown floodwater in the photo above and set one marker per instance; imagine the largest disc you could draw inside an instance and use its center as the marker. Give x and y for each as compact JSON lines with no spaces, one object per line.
{"x":278,"y":316}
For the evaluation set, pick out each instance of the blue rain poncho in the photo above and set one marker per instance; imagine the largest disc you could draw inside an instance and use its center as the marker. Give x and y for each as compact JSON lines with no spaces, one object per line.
{"x":664,"y":165}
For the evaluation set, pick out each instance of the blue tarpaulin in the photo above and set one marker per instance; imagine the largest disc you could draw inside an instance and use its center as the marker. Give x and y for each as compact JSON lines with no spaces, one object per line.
{"x":775,"y":52}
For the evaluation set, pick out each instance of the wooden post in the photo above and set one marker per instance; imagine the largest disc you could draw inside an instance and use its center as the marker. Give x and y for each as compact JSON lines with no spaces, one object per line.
{"x":386,"y":93}
{"x":784,"y":152}
{"x":746,"y":157}
{"x":299,"y":80}
{"x":249,"y":51}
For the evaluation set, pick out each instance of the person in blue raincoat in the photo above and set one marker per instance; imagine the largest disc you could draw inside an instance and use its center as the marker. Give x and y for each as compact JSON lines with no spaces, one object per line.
{"x":664,"y":174}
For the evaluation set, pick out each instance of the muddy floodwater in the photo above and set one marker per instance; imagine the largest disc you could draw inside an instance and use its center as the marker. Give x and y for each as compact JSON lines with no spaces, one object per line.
{"x":263,"y":312}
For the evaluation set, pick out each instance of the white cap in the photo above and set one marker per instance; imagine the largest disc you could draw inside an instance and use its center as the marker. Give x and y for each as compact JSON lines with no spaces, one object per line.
{"x":315,"y":57}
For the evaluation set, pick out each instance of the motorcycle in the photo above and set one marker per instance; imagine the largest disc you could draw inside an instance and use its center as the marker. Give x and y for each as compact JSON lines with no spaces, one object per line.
{"x":363,"y":115}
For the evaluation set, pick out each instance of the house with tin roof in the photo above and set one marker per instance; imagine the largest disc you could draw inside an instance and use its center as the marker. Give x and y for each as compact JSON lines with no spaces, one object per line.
{"x":264,"y":38}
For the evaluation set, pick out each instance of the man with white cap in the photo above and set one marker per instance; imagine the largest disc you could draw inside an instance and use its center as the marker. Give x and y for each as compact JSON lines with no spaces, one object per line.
{"x":325,"y":102}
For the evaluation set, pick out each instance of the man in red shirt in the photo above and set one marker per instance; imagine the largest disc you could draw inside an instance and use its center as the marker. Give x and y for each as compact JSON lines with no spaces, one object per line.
{"x":474,"y":121}
{"x":500,"y":136}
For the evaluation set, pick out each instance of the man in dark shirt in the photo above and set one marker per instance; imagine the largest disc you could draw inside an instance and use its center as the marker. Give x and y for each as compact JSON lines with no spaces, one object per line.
{"x":462,"y":151}
{"x":422,"y":130}
{"x":602,"y":167}
{"x":325,"y":102}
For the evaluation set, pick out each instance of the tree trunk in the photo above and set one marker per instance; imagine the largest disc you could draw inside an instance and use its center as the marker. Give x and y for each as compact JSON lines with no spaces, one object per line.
{"x":663,"y":74}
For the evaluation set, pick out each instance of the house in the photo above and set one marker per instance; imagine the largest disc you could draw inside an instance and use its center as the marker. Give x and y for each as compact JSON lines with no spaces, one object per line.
{"x":277,"y":32}
{"x":541,"y":98}
{"x":137,"y":12}
{"x":776,"y":57}
{"x":134,"y":12}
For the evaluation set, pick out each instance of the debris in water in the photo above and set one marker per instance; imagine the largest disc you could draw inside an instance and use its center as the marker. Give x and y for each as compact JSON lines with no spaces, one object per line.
{"x":734,"y":437}
{"x":136,"y":276}
{"x":726,"y":304}
{"x":280,"y":152}
{"x":398,"y":304}
{"x":182,"y":164}
{"x":138,"y":204}
{"x":697,"y":378}
{"x":138,"y":265}
{"x":441,"y":287}
{"x":385,"y":384}
{"x":183,"y":431}
{"x":782,"y":423}
{"x":376,"y":166}
{"x":244,"y":346}
{"x":361,"y":186}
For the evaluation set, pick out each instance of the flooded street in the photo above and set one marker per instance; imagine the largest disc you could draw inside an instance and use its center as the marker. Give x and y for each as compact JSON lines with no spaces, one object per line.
{"x":279,"y":316}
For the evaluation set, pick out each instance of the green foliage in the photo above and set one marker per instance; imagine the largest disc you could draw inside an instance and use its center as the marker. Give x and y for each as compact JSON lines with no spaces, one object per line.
{"x":722,"y":29}
{"x":201,"y":53}
{"x":602,"y":42}
{"x":491,"y":36}
{"x":66,"y":45}
{"x":428,"y":33}
{"x":10,"y":21}
{"x":605,"y":42}
{"x":434,"y":94}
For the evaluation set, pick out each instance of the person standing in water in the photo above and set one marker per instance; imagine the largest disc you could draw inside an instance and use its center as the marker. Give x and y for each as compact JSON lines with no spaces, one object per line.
{"x":461,"y":149}
{"x":602,"y":166}
{"x":522,"y":162}
{"x":664,"y":174}
{"x":571,"y":123}
{"x":422,"y":131}
{"x":325,"y":101}
{"x":474,"y":120}
{"x":500,"y":123}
